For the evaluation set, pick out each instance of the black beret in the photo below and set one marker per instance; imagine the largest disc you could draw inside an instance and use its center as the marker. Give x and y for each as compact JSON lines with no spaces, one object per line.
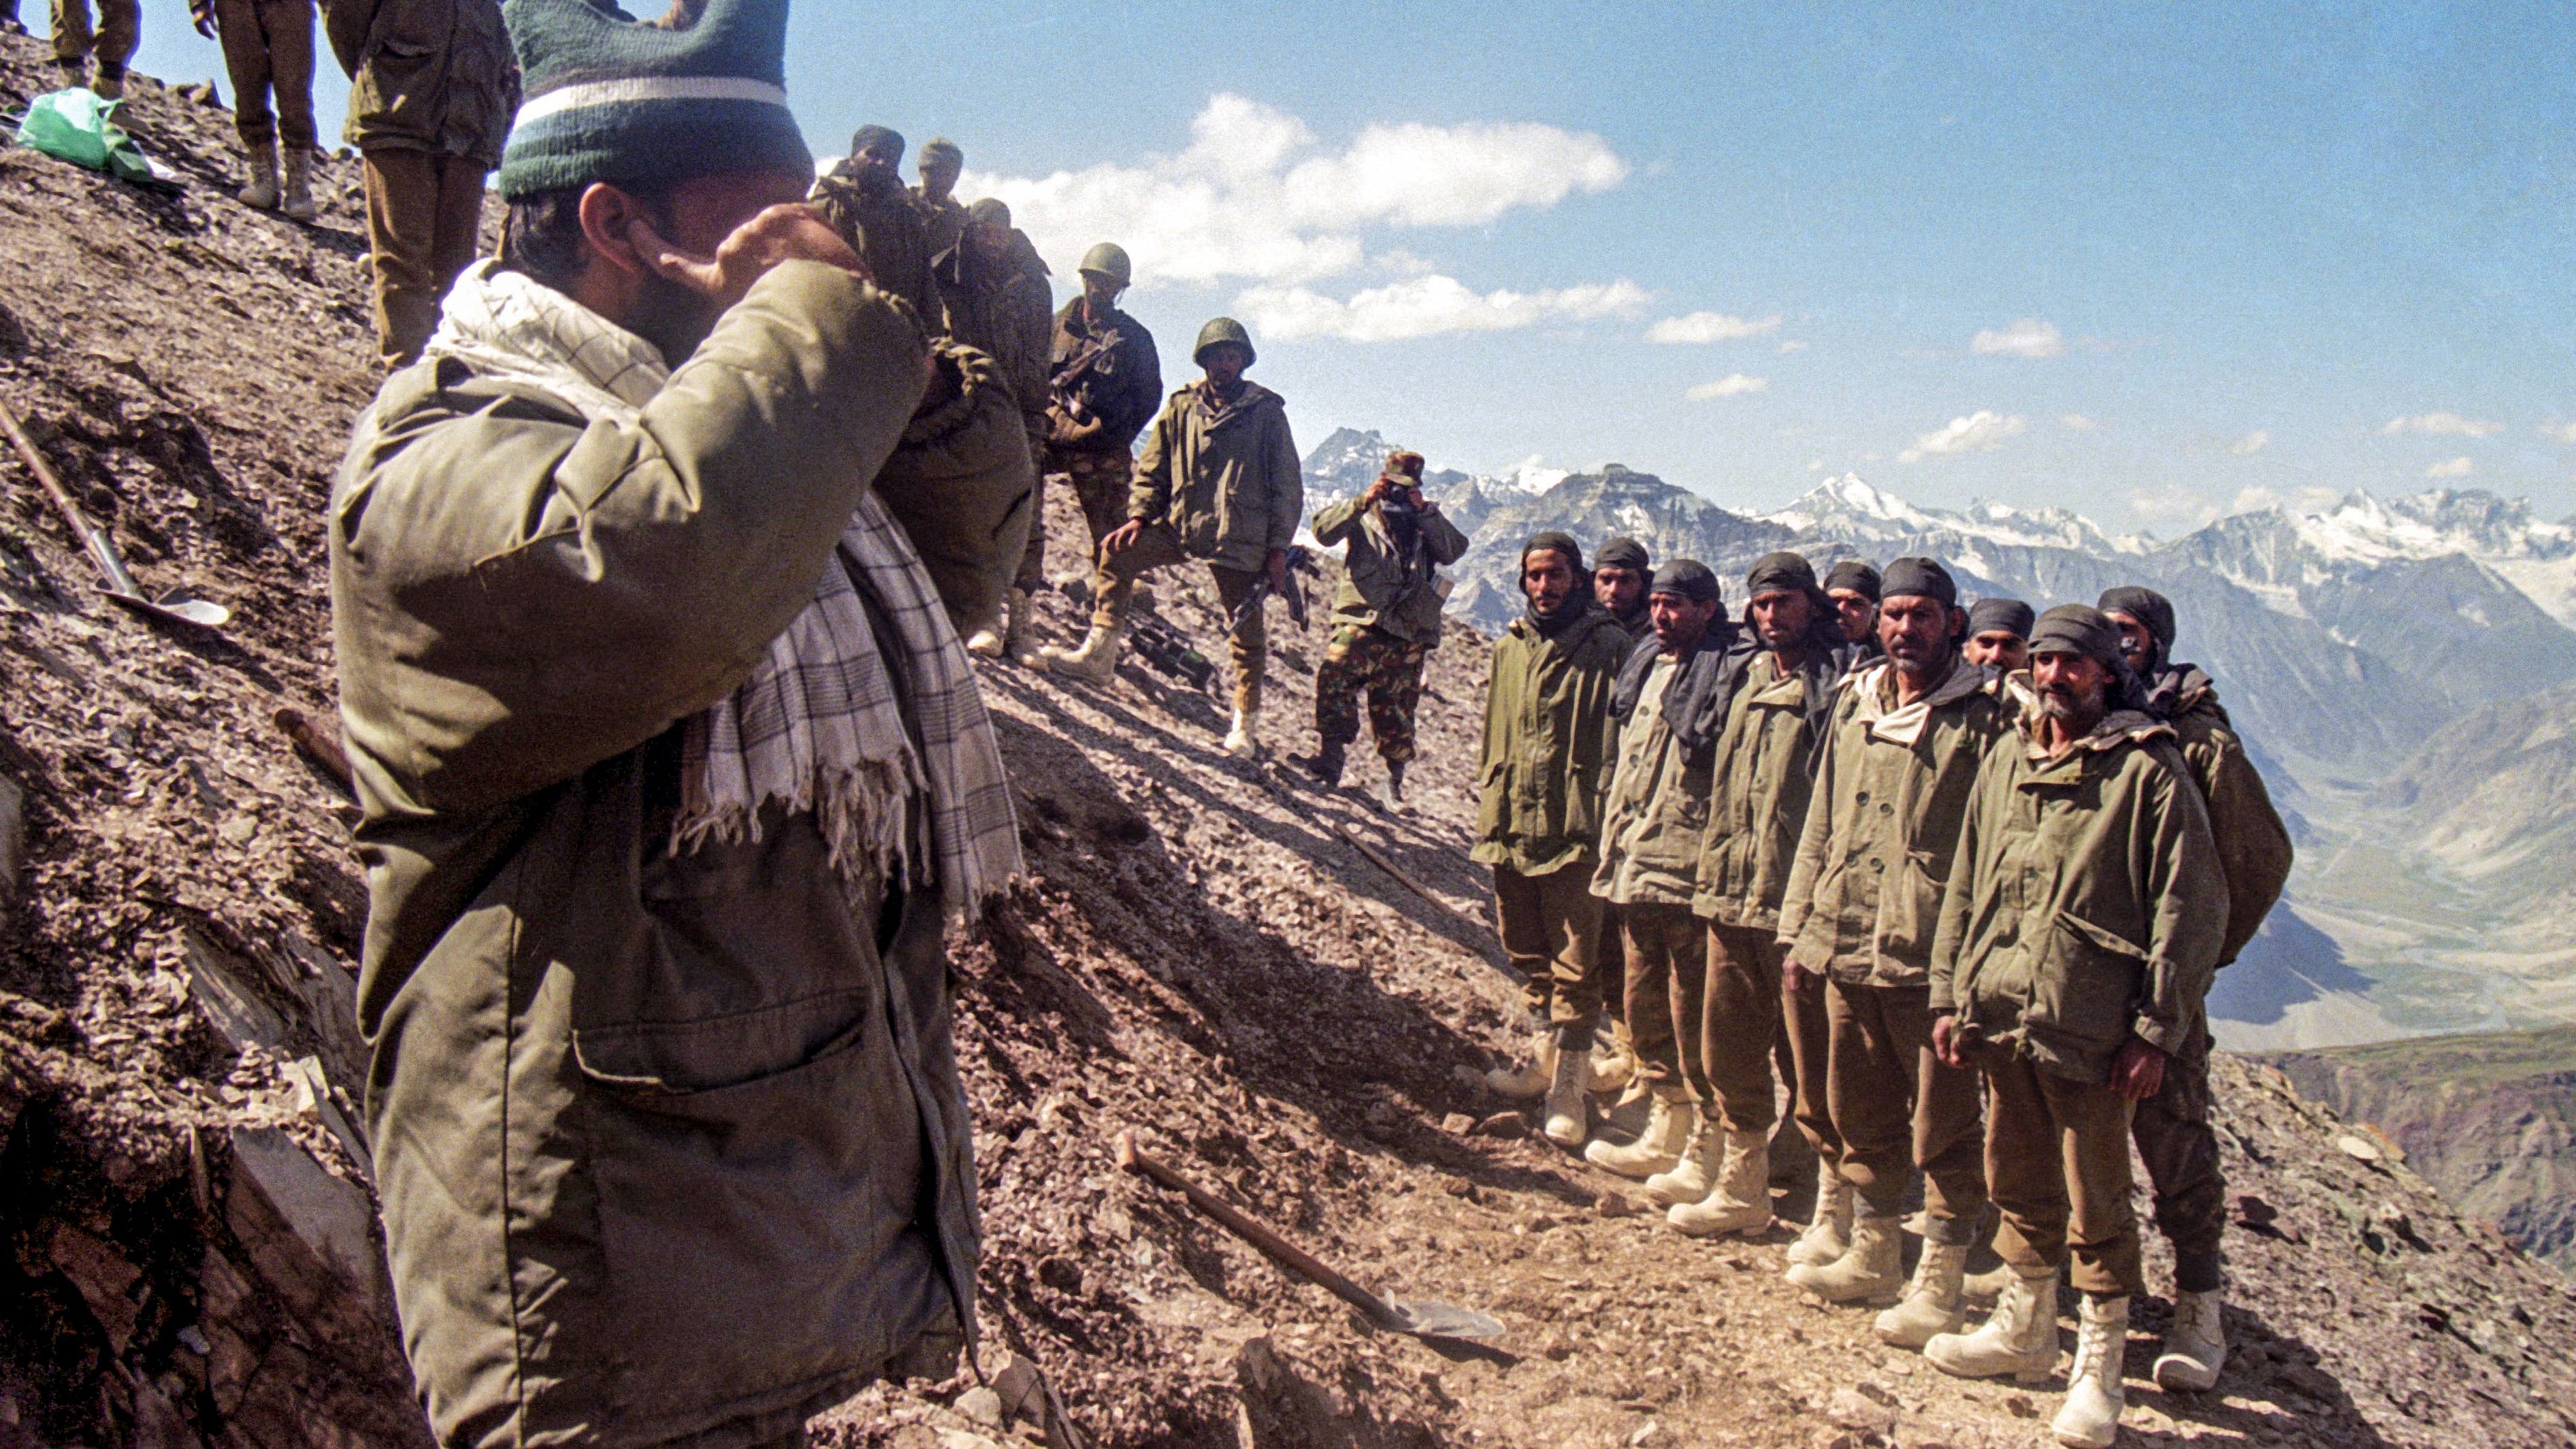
{"x":1779,"y":573}
{"x":1922,"y":577}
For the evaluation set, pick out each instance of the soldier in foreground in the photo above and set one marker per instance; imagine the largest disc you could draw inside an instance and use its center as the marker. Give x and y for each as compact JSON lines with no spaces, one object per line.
{"x":268,"y":52}
{"x":943,"y":218}
{"x":2084,"y":914}
{"x":865,"y":200}
{"x":1853,"y":586}
{"x":1386,"y":618}
{"x":1999,"y":635}
{"x":1893,"y":777}
{"x":2174,"y":1137}
{"x":1219,"y":481}
{"x":1548,"y":739}
{"x":673,"y":774}
{"x":1104,"y":383}
{"x":996,"y":307}
{"x":1651,"y":834}
{"x":1759,"y":786}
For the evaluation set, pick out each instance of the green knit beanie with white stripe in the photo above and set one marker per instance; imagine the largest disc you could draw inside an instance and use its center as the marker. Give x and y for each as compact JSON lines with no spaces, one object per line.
{"x":610,"y":99}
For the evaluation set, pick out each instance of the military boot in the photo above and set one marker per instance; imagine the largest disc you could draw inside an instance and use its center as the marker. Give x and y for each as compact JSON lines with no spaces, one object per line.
{"x":2019,"y":1339}
{"x":1740,"y":1200}
{"x":1392,"y":796}
{"x":1988,"y":1287}
{"x":1093,"y":661}
{"x":2195,"y":1346}
{"x":1931,"y":1304}
{"x":298,"y":203}
{"x":1327,"y":763}
{"x":1020,"y":645}
{"x":1242,"y":740}
{"x":1670,"y":1124}
{"x":1827,"y":1235}
{"x":1525,"y":1080}
{"x":259,"y":168}
{"x":1614,"y":1069}
{"x":2090,"y":1417}
{"x":1871,"y":1271}
{"x":1690,"y":1179}
{"x":1569,"y":1108}
{"x":109,"y":83}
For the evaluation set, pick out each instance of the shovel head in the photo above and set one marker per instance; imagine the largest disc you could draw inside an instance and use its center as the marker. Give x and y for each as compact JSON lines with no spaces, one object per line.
{"x":194,"y":613}
{"x":1441,"y":1320}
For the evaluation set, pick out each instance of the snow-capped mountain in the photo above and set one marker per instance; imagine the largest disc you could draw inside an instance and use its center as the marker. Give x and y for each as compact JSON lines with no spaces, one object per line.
{"x":2535,"y":556}
{"x":1849,"y":508}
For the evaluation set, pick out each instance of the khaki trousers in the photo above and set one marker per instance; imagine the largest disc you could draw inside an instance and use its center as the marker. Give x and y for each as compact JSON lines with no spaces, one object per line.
{"x":268,"y":48}
{"x":2180,"y":1150}
{"x":1551,"y":928}
{"x":1666,"y":995}
{"x":1158,"y":547}
{"x":2057,"y":1162}
{"x":1739,"y":1015}
{"x":112,"y":41}
{"x":424,"y":221}
{"x":1899,"y":1111}
{"x":1806,"y":1042}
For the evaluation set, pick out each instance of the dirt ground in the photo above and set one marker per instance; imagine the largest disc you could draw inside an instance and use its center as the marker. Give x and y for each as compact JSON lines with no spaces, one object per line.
{"x":1201,"y":956}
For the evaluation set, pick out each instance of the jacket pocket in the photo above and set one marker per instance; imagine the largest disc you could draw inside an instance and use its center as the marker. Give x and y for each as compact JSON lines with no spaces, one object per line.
{"x":1910,"y":909}
{"x":2087,"y":984}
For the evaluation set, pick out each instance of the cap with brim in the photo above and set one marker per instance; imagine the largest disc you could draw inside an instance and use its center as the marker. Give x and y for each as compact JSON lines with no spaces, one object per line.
{"x":1779,"y":573}
{"x":2012,"y":616}
{"x":1920,"y":578}
{"x":2076,"y":629}
{"x":2144,"y":605}
{"x":1690,"y":579}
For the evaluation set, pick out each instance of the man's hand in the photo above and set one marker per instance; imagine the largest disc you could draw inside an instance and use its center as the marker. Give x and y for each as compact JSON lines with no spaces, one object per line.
{"x":1278,"y":569}
{"x":1063,"y":429}
{"x":2138,"y":1072}
{"x":1947,"y":1042}
{"x":787,"y":233}
{"x":1122,"y":538}
{"x":1377,"y":491}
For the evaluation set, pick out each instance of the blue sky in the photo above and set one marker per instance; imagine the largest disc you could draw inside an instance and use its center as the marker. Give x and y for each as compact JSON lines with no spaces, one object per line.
{"x":2219,"y":254}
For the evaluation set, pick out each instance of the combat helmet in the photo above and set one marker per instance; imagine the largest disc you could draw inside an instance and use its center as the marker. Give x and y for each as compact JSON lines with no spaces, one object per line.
{"x":1223,"y":329}
{"x":1109,"y":259}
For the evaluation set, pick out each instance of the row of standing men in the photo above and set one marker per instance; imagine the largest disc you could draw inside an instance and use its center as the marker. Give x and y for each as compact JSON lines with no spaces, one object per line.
{"x":1965,"y":875}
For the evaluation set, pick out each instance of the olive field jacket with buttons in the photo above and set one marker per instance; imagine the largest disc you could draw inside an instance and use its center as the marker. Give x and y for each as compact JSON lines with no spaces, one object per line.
{"x":1382,"y":587}
{"x":1655,"y":821}
{"x":1892,"y":785}
{"x":1548,"y":743}
{"x":1758,"y":788}
{"x":1224,"y":477}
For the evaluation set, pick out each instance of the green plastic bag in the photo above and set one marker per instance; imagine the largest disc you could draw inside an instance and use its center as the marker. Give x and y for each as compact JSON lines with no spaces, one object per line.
{"x":73,"y":126}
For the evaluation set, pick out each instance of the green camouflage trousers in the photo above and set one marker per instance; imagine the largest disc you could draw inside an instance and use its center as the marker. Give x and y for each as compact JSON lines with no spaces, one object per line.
{"x":1389,"y":669}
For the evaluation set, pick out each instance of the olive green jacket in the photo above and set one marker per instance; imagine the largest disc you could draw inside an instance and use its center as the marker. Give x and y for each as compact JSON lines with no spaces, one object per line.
{"x":1758,"y":788}
{"x":2253,"y":845}
{"x":426,"y":75}
{"x":2085,"y":901}
{"x":1382,"y":587}
{"x":1225,"y":478}
{"x":667,"y":1144}
{"x":881,"y":224}
{"x":1548,"y":743}
{"x":1892,"y":785}
{"x":1656,"y":817}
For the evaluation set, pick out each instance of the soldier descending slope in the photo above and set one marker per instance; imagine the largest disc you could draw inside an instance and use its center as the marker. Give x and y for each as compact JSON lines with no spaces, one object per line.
{"x":864,"y":198}
{"x":995,"y":306}
{"x":2172,"y":1127}
{"x":1386,"y":618}
{"x":1548,"y":740}
{"x":1893,"y":776}
{"x":2084,"y":914}
{"x":1219,"y":481}
{"x":1105,"y":382}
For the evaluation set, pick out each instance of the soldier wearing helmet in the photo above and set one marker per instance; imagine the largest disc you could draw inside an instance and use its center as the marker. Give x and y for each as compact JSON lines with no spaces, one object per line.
{"x":1104,"y":383}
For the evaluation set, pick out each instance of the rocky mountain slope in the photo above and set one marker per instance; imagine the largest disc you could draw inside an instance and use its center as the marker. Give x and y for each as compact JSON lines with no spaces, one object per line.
{"x":1283,"y":992}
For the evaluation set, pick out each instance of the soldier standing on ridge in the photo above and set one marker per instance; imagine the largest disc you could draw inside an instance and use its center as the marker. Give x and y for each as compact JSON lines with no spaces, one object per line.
{"x":2084,"y":914}
{"x":864,"y":198}
{"x":1548,"y":742}
{"x":268,"y":51}
{"x":1218,"y":480}
{"x":432,"y":92}
{"x":112,"y":41}
{"x":1893,"y":776}
{"x":943,"y":217}
{"x":996,"y":307}
{"x":1999,"y":635}
{"x":1853,"y":587}
{"x":2172,"y":1126}
{"x":1105,"y":382}
{"x":1621,"y":570}
{"x":1386,"y":618}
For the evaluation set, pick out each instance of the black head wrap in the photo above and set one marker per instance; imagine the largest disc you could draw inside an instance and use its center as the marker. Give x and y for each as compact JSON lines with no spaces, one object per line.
{"x":1921,"y":577}
{"x":1624,"y":553}
{"x":2075,"y":629}
{"x":1856,"y":576}
{"x":2010,"y":615}
{"x":1689,"y":578}
{"x":2147,"y":607}
{"x":1779,"y":573}
{"x":1550,"y":540}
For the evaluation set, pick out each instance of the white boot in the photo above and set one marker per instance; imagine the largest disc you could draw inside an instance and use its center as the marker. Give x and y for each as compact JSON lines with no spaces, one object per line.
{"x":1020,"y":645}
{"x":1239,"y":741}
{"x":1988,"y":1288}
{"x":1670,"y":1124}
{"x":2019,"y":1339}
{"x":1569,"y":1106}
{"x":1871,"y":1271}
{"x":1828,"y":1234}
{"x":2090,"y":1417}
{"x":1527,"y":1079}
{"x":297,"y":201}
{"x":1931,"y":1303}
{"x":259,"y":165}
{"x":2195,"y":1346}
{"x":1093,"y":661}
{"x":1740,"y":1200}
{"x":1690,"y":1179}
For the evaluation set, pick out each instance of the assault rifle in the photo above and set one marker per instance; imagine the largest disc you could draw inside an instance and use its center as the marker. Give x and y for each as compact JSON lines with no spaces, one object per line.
{"x":1162,"y":646}
{"x":1301,"y":560}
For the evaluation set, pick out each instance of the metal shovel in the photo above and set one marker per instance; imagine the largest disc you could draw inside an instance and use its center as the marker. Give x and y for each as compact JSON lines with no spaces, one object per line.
{"x":121,"y":588}
{"x":1395,"y":1315}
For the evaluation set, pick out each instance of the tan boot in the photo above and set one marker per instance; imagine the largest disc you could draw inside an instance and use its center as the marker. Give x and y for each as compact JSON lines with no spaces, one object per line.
{"x":1243,"y":741}
{"x":2195,"y":1343}
{"x":1093,"y":661}
{"x":1528,"y":1079}
{"x":259,"y":165}
{"x":1988,"y":1288}
{"x":1931,"y":1304}
{"x":1614,"y":1069}
{"x":1569,"y":1105}
{"x":1020,"y":645}
{"x":2019,"y":1340}
{"x":1690,"y":1179}
{"x":2090,"y":1417}
{"x":1871,"y":1272}
{"x":1740,"y":1200}
{"x":986,"y":641}
{"x":1670,"y":1124}
{"x":109,"y":83}
{"x":298,"y":205}
{"x":1827,"y":1235}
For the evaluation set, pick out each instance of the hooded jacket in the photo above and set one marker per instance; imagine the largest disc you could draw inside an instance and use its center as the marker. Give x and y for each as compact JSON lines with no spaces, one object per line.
{"x":1391,"y":589}
{"x":2085,"y":901}
{"x":1223,"y":476}
{"x":1760,"y":781}
{"x":2253,"y":844}
{"x":1548,"y":742}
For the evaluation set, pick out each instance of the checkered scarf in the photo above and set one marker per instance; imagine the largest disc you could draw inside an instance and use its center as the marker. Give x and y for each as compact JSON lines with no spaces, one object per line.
{"x":816,"y":727}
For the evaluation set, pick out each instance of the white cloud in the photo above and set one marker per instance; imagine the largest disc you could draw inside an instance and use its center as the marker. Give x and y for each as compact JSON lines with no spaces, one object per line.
{"x":1978,"y":432}
{"x":1734,"y":384}
{"x":1432,"y":306}
{"x":2455,"y":468}
{"x":1793,"y":345}
{"x":2256,"y":497}
{"x":1254,"y":196}
{"x":1710,"y":327}
{"x":2077,"y":423}
{"x":2558,"y":432}
{"x":2027,"y":337}
{"x":1815,"y":465}
{"x":2251,"y":444}
{"x":2442,"y":425}
{"x":2168,"y":506}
